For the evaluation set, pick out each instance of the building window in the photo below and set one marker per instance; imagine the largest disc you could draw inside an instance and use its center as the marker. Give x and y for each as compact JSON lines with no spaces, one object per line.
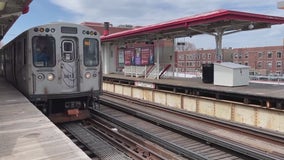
{"x":236,"y":55}
{"x":240,"y":56}
{"x":194,"y":56}
{"x":246,"y":63}
{"x":181,"y":57}
{"x":269,"y":55}
{"x":198,"y":64}
{"x":198,"y":56}
{"x":190,"y":64}
{"x":180,"y":63}
{"x":259,"y":64}
{"x":269,"y":65}
{"x":278,"y":64}
{"x":279,"y":54}
{"x":187,"y":57}
{"x":204,"y":56}
{"x":209,"y":56}
{"x":260,"y":54}
{"x":246,"y":55}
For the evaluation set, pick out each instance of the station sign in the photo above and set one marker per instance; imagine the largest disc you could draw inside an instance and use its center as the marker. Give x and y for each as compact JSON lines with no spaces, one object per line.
{"x":144,"y":84}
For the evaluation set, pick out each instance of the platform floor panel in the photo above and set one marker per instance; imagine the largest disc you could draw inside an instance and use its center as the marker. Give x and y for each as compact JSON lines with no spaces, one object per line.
{"x":253,"y":89}
{"x":25,"y":133}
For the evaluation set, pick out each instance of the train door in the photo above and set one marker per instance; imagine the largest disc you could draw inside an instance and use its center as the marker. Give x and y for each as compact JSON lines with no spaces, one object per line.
{"x":69,"y":65}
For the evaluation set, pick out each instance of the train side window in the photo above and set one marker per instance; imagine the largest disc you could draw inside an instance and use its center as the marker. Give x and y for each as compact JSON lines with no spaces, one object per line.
{"x":91,"y":52}
{"x":43,"y":51}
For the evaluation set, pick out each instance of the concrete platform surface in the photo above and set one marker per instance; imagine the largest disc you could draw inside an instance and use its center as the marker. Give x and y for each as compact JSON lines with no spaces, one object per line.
{"x":26,"y":134}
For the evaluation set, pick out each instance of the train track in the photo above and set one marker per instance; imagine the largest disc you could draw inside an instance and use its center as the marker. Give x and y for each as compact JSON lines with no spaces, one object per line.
{"x":79,"y":143}
{"x":135,"y":147}
{"x":101,"y":139}
{"x":178,"y":132}
{"x":93,"y":145}
{"x":187,"y":146}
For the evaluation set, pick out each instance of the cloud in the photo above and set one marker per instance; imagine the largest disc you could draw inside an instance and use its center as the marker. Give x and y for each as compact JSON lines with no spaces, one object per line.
{"x":148,"y":12}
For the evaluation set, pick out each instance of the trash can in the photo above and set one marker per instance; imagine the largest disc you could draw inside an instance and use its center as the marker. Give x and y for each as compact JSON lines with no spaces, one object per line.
{"x":208,"y":73}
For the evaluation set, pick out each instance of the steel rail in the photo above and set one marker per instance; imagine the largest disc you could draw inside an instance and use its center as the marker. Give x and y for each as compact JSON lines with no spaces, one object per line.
{"x":245,"y":150}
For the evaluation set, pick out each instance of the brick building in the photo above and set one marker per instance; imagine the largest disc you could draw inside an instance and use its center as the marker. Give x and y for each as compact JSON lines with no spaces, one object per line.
{"x":100,"y":27}
{"x":262,"y":60}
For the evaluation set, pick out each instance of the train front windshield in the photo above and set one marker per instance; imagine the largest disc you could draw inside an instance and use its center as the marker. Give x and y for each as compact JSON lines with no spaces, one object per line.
{"x":91,"y":52}
{"x":43,"y":51}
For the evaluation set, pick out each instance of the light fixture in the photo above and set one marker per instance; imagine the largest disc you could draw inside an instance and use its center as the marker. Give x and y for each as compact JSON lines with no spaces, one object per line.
{"x":88,"y":75}
{"x":50,"y":76}
{"x":2,"y":4}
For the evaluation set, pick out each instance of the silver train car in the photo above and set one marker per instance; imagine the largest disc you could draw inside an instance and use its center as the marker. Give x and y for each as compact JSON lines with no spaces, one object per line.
{"x":57,"y":67}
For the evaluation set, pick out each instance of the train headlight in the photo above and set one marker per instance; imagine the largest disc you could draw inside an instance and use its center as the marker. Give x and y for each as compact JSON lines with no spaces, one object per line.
{"x":88,"y":75}
{"x":50,"y":76}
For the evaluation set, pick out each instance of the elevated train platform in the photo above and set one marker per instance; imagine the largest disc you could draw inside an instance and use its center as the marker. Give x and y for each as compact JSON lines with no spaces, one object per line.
{"x":258,"y":105}
{"x":269,"y":95}
{"x":25,"y":133}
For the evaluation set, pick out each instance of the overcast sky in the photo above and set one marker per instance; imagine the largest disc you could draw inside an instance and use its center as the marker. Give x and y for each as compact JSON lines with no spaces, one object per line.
{"x":148,"y":12}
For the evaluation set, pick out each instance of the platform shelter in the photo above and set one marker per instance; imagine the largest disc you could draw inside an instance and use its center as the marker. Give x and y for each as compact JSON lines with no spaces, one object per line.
{"x":120,"y":48}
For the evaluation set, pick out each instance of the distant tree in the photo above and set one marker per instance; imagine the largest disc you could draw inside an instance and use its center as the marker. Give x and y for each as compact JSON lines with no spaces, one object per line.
{"x":184,"y":46}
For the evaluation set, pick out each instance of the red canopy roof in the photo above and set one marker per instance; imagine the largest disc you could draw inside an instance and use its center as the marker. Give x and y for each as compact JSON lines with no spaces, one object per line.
{"x":227,"y":20}
{"x":11,"y":12}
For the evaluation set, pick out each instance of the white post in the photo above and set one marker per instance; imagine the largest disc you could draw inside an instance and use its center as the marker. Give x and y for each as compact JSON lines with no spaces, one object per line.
{"x":131,"y":71}
{"x":158,"y":59}
{"x":145,"y":71}
{"x":218,"y":38}
{"x":105,"y":54}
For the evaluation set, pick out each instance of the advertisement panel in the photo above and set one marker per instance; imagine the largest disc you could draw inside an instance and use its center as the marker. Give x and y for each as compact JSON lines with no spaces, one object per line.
{"x":136,"y":56}
{"x":129,"y":57}
{"x":121,"y":57}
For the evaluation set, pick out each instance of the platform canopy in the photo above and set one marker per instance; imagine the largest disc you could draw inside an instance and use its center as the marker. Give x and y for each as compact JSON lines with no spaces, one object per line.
{"x":215,"y":23}
{"x":227,"y":21}
{"x":10,"y":10}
